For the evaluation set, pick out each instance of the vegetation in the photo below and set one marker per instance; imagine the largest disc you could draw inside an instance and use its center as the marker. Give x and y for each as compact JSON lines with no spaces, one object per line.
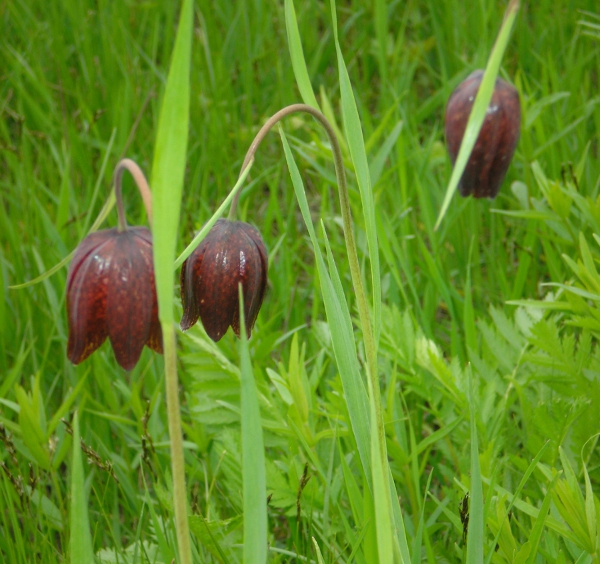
{"x":487,"y":364}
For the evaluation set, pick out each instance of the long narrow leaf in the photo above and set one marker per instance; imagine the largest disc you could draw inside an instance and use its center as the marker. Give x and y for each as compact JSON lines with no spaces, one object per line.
{"x":102,"y":215}
{"x":168,"y":170}
{"x":297,"y":56}
{"x":383,"y":517}
{"x":388,"y":543}
{"x":342,"y":336}
{"x":80,"y":540}
{"x":356,"y":144}
{"x":536,"y":533}
{"x":398,"y":520}
{"x":253,"y":458}
{"x":168,"y":166}
{"x":476,"y":515}
{"x":532,"y":466}
{"x":399,"y":543}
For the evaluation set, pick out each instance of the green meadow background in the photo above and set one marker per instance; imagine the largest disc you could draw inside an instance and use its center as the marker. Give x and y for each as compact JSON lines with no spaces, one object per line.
{"x":490,"y":322}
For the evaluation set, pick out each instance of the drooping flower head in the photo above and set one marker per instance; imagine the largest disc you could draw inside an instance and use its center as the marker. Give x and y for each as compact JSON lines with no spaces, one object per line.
{"x":497,"y":140}
{"x":111,"y":291}
{"x":232,"y":253}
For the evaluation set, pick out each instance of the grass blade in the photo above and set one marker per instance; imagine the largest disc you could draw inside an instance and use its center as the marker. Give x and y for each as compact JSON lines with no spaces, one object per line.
{"x":318,"y":551}
{"x":107,"y":156}
{"x":253,"y":457}
{"x":356,"y":144}
{"x":106,"y":208}
{"x":338,"y":316}
{"x":398,"y":520}
{"x":381,"y":29}
{"x":476,"y":515}
{"x":80,"y":541}
{"x":418,"y":539}
{"x":297,"y":56}
{"x":532,"y":466}
{"x":168,"y":166}
{"x":480,"y":105}
{"x":381,"y":501}
{"x":538,"y":527}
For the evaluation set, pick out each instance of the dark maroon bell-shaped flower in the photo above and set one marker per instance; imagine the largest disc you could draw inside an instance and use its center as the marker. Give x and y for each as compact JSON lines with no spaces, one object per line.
{"x":497,"y":139}
{"x":111,"y":293}
{"x":233,"y":252}
{"x":110,"y":285}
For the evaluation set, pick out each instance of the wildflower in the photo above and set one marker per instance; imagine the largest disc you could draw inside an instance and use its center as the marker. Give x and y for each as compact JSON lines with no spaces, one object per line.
{"x":232,"y":253}
{"x":495,"y":146}
{"x":111,"y":292}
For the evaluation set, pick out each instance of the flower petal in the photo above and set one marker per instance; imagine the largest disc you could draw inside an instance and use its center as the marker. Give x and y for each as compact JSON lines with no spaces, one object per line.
{"x":86,"y":295}
{"x":130,"y":298}
{"x":253,"y":275}
{"x":190,"y":288}
{"x":232,"y":253}
{"x":155,"y":340}
{"x":217,"y":281}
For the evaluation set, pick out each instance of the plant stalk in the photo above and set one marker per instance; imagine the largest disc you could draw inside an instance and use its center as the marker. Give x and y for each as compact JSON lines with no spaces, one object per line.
{"x":142,"y":185}
{"x":176,"y":435}
{"x":361,"y":298}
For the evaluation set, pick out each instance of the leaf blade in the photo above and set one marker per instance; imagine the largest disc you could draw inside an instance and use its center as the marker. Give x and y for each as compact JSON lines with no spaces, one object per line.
{"x":253,"y":457}
{"x":80,"y":538}
{"x":168,"y":165}
{"x":297,"y":56}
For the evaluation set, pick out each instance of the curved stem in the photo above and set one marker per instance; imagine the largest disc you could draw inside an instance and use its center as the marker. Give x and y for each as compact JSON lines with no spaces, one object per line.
{"x":361,"y":298}
{"x":141,"y":183}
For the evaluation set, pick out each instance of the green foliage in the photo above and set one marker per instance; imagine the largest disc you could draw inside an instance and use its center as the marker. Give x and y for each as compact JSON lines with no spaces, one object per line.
{"x":489,"y":326}
{"x":168,"y":164}
{"x":253,"y":456}
{"x":80,"y":542}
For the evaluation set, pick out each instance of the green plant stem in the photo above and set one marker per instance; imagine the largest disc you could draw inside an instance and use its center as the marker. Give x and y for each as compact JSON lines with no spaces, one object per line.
{"x":176,"y":434}
{"x":361,"y":298}
{"x":142,"y":185}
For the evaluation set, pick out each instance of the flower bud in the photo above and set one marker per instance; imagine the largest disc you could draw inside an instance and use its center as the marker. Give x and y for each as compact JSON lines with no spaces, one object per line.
{"x":495,"y":146}
{"x":232,"y":253}
{"x":111,"y":293}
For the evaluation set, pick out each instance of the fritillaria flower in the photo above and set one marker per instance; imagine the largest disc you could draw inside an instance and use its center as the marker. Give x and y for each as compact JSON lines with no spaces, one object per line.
{"x":232,"y":253}
{"x":495,"y":146}
{"x":111,"y":291}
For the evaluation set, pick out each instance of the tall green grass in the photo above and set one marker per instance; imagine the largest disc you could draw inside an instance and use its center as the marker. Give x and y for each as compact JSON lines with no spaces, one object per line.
{"x":471,"y":339}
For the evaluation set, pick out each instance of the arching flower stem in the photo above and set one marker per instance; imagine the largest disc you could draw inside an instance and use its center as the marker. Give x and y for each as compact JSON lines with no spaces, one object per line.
{"x":361,"y":298}
{"x":142,"y":185}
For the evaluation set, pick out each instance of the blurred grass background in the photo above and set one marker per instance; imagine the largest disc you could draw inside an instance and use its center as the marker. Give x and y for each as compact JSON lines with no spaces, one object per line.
{"x":80,"y":85}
